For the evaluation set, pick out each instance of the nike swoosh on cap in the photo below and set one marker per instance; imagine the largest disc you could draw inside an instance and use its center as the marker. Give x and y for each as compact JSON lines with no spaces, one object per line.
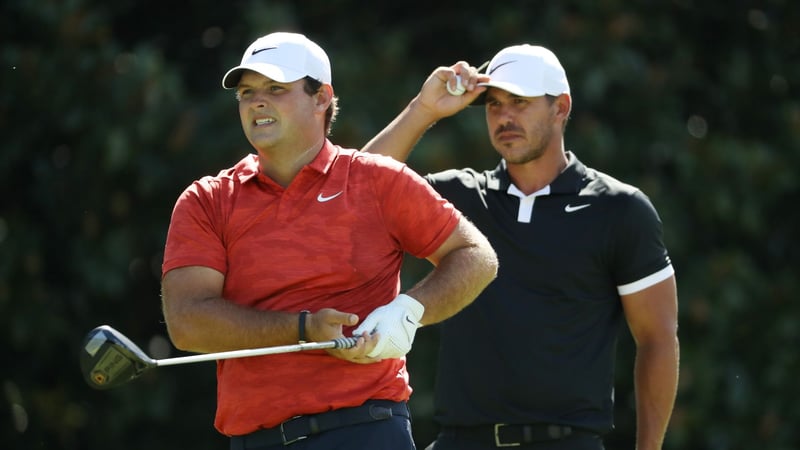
{"x":500,"y":65}
{"x":262,"y":49}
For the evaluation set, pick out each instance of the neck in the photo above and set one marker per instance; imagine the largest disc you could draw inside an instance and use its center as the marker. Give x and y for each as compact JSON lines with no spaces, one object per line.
{"x":283,"y":165}
{"x":534,"y":175}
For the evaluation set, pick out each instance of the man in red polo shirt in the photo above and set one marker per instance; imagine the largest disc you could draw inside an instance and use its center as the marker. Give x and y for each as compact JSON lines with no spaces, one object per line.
{"x":304,"y":240}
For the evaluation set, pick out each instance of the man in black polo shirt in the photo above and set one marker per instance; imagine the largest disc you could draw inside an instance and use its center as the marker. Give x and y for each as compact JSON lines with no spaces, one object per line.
{"x":531,"y":362}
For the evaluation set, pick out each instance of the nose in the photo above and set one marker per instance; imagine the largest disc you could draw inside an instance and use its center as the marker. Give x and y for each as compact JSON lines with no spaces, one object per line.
{"x":258,"y":98}
{"x":503,"y":115}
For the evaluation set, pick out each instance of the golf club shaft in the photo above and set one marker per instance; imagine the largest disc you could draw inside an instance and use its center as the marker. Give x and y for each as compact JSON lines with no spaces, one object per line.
{"x":336,"y":343}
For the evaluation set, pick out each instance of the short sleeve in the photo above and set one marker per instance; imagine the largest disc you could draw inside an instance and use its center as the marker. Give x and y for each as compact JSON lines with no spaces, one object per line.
{"x":639,"y":250}
{"x":194,"y":237}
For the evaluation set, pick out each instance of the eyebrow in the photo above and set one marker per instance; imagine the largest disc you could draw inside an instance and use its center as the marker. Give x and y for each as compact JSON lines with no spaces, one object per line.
{"x":510,"y":95}
{"x":266,"y":82}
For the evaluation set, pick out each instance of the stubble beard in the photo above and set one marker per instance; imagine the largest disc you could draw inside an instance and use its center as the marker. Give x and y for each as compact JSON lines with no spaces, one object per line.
{"x":532,"y":153}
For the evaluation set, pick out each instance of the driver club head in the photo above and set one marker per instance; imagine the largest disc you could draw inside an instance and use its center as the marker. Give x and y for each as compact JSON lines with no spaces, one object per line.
{"x":109,"y":359}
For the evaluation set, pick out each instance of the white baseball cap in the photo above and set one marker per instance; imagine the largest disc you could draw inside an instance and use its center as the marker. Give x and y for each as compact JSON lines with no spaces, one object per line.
{"x":528,"y":71}
{"x":283,"y":57}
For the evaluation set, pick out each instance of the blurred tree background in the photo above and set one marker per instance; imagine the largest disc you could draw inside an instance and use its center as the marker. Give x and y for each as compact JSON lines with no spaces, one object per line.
{"x":109,"y":109}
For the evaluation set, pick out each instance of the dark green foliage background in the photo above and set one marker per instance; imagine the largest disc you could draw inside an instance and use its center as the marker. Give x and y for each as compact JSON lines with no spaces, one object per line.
{"x":109,"y":109}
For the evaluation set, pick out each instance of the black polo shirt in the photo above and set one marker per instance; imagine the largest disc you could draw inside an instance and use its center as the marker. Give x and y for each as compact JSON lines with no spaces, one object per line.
{"x":538,"y":345}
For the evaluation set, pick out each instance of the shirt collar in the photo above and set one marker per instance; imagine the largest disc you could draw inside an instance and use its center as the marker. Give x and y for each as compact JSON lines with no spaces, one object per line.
{"x":324,"y":160}
{"x":570,"y":180}
{"x":248,"y":168}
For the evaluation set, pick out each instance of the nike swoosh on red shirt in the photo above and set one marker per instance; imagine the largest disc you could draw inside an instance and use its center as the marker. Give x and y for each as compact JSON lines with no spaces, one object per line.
{"x":322,"y":199}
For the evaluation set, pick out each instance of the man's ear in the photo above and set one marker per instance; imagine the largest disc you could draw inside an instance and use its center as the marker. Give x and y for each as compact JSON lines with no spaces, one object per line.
{"x":324,"y":96}
{"x":564,"y":103}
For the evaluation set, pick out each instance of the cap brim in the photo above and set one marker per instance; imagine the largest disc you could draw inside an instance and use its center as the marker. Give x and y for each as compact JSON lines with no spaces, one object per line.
{"x":513,"y":88}
{"x":271,"y":71}
{"x":508,"y":87}
{"x":479,"y":100}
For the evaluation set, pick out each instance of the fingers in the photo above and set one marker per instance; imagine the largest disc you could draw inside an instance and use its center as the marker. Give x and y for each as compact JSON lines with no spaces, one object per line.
{"x":368,"y":325}
{"x":377,"y":347}
{"x":467,"y":75}
{"x":460,"y":79}
{"x":440,"y":96}
{"x":397,"y":321}
{"x":458,"y":89}
{"x":360,"y":353}
{"x":327,"y":323}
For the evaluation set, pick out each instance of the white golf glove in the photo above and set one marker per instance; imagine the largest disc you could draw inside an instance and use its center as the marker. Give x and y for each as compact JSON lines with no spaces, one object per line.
{"x":397,"y":323}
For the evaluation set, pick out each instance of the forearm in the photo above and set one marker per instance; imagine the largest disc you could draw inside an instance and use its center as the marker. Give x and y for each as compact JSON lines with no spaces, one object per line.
{"x":455,"y":282}
{"x":656,"y":378}
{"x":215,"y":324}
{"x":431,"y":104}
{"x":402,"y":134}
{"x":200,"y":320}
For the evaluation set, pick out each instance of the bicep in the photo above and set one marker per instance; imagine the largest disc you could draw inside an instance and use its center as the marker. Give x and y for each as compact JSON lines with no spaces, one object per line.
{"x":652,"y":313}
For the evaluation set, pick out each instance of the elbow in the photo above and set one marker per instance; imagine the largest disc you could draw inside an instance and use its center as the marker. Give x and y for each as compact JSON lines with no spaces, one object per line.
{"x":180,"y":339}
{"x":489,"y":263}
{"x":177,"y":329}
{"x":492,"y":264}
{"x":483,"y":254}
{"x":178,"y":335}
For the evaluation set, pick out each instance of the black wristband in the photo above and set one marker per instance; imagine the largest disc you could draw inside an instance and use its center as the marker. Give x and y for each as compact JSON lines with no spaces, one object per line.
{"x":301,"y":327}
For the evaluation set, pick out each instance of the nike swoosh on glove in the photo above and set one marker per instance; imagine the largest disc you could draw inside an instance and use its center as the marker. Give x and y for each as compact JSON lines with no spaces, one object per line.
{"x":397,"y":323}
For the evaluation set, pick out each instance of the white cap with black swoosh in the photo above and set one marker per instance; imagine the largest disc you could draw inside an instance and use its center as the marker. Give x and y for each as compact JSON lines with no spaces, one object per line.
{"x":528,"y":71}
{"x":283,"y":57}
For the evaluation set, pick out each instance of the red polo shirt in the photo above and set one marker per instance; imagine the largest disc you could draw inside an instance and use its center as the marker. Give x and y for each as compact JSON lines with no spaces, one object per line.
{"x":334,"y":238}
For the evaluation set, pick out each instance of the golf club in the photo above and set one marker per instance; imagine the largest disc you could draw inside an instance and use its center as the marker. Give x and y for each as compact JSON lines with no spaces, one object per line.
{"x":109,"y":359}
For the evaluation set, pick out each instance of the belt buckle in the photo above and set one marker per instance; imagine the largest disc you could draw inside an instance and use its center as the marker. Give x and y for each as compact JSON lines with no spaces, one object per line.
{"x":497,"y":442}
{"x":283,"y":432}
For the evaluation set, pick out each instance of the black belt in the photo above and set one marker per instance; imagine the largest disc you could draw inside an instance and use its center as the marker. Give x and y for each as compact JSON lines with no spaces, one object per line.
{"x":514,"y":435}
{"x":301,"y":427}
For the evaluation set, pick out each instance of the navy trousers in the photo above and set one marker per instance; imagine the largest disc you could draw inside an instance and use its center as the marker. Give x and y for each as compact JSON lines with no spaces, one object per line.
{"x":393,"y":433}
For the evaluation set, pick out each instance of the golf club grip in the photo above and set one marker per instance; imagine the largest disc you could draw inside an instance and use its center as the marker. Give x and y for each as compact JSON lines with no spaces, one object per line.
{"x":345,"y":342}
